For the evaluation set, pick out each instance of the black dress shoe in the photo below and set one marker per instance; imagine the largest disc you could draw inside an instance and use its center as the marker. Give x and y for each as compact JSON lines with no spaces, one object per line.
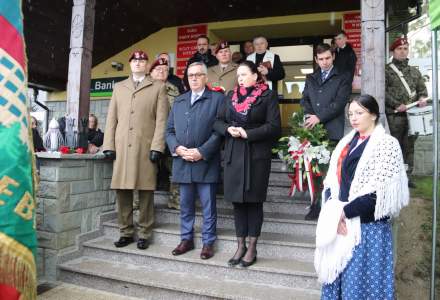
{"x":246,"y":264}
{"x":143,"y":244}
{"x":123,"y":241}
{"x":233,"y":262}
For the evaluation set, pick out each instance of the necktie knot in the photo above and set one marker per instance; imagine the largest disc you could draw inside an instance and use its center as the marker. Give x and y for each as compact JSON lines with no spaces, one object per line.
{"x":323,"y":75}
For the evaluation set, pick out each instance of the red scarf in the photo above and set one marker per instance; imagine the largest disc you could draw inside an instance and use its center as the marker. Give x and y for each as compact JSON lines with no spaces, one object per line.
{"x":244,"y":106}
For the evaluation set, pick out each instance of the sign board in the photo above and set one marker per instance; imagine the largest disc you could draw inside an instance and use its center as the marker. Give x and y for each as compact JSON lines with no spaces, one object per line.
{"x":186,"y":50}
{"x":352,"y":24}
{"x":191,"y":33}
{"x":187,"y":44}
{"x":103,"y":87}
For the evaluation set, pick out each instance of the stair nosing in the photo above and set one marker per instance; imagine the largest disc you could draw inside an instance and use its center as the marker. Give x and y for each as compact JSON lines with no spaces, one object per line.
{"x":230,"y":216}
{"x":184,"y":259}
{"x":69,"y":268}
{"x":197,"y":233}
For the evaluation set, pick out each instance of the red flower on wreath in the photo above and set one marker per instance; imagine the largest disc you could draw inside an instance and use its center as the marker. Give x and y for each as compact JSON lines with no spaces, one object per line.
{"x":80,"y":150}
{"x":64,"y":150}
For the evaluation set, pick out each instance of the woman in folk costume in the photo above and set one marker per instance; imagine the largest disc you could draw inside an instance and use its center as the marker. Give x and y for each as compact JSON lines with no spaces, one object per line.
{"x":250,"y":122}
{"x":365,"y":186}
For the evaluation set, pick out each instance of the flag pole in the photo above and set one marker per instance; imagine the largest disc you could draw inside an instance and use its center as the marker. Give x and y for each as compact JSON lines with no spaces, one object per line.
{"x":434,"y":48}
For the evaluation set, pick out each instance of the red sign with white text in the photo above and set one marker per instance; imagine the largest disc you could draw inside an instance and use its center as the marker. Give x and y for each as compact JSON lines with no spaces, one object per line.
{"x":186,"y":50}
{"x":352,"y":26}
{"x":187,"y":44}
{"x":191,"y":33}
{"x":180,"y":67}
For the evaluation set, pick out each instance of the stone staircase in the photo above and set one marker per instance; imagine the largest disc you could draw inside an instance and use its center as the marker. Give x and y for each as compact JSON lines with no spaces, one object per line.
{"x":284,"y":269}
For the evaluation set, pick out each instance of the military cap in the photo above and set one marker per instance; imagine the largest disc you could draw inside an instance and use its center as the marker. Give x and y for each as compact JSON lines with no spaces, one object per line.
{"x":398,"y":42}
{"x":138,"y":54}
{"x":159,"y":62}
{"x":221,"y":45}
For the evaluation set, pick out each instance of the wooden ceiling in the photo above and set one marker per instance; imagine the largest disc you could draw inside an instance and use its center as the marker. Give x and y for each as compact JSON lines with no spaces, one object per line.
{"x":121,"y":23}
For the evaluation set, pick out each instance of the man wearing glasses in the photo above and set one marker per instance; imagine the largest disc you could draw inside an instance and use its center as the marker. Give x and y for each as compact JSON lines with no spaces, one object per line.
{"x":196,"y":150}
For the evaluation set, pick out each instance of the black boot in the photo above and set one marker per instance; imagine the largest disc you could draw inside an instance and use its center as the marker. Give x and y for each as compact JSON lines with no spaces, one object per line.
{"x":313,"y":214}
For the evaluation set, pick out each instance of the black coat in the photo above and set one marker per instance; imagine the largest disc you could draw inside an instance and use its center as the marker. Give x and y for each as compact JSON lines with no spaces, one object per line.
{"x":345,"y":60}
{"x":247,"y":161}
{"x":192,"y":126}
{"x":95,"y":137}
{"x":327,"y":100}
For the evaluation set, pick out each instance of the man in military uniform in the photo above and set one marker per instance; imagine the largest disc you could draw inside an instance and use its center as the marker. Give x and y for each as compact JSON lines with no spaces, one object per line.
{"x":134,"y":137}
{"x":224,"y":74}
{"x":403,"y":85}
{"x":159,"y":71}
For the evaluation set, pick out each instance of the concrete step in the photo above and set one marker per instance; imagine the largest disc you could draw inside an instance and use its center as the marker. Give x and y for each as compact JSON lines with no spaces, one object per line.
{"x":269,"y":244}
{"x":283,"y":272}
{"x":147,"y":283}
{"x":278,"y":165}
{"x":273,"y":222}
{"x":274,"y":204}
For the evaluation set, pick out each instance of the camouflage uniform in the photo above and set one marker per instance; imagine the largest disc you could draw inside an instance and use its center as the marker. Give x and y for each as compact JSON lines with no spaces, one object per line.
{"x":395,"y":95}
{"x":173,"y":200}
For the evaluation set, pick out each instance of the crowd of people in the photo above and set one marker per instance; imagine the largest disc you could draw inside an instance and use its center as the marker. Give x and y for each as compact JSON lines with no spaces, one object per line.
{"x":229,"y":102}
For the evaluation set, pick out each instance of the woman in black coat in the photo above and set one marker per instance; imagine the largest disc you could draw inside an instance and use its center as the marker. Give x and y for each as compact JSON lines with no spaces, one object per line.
{"x":250,"y":122}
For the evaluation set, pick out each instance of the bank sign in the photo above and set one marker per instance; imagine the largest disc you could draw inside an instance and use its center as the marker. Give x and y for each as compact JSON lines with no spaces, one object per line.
{"x":103,"y":87}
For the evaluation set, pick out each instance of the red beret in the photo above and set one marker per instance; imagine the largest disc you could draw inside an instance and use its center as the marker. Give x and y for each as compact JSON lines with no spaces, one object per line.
{"x":221,"y":45}
{"x":398,"y":42}
{"x":159,"y":62}
{"x":138,"y":54}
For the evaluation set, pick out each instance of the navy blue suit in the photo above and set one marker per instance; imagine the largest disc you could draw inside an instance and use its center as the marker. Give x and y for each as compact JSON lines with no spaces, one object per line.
{"x":191,"y":126}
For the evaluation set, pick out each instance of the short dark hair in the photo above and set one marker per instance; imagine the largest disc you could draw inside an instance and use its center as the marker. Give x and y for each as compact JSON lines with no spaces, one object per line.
{"x":203,"y":37}
{"x":321,"y":48}
{"x":253,"y":67}
{"x":369,"y":103}
{"x":340,"y":32}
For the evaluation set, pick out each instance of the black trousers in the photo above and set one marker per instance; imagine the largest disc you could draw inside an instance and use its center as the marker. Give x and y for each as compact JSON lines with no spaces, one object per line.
{"x":248,"y":219}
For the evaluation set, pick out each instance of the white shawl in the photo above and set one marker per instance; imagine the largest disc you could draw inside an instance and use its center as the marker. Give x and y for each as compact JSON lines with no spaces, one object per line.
{"x":380,"y":170}
{"x":268,"y":56}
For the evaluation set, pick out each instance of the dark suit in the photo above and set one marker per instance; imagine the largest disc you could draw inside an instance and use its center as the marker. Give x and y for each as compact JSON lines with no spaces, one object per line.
{"x":191,"y":126}
{"x":327,"y":100}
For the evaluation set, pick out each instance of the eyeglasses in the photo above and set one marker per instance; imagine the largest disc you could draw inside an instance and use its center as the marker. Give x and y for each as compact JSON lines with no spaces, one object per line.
{"x":196,"y":75}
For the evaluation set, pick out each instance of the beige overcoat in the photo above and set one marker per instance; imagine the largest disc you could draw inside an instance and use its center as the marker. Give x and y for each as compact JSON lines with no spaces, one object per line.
{"x":226,"y":78}
{"x":136,"y":122}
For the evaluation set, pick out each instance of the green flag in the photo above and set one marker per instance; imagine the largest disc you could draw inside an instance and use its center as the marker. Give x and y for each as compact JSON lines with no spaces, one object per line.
{"x":434,"y":13}
{"x":18,"y":242}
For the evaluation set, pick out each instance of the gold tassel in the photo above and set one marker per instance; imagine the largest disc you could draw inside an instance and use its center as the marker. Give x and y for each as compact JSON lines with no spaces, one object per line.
{"x":18,"y":267}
